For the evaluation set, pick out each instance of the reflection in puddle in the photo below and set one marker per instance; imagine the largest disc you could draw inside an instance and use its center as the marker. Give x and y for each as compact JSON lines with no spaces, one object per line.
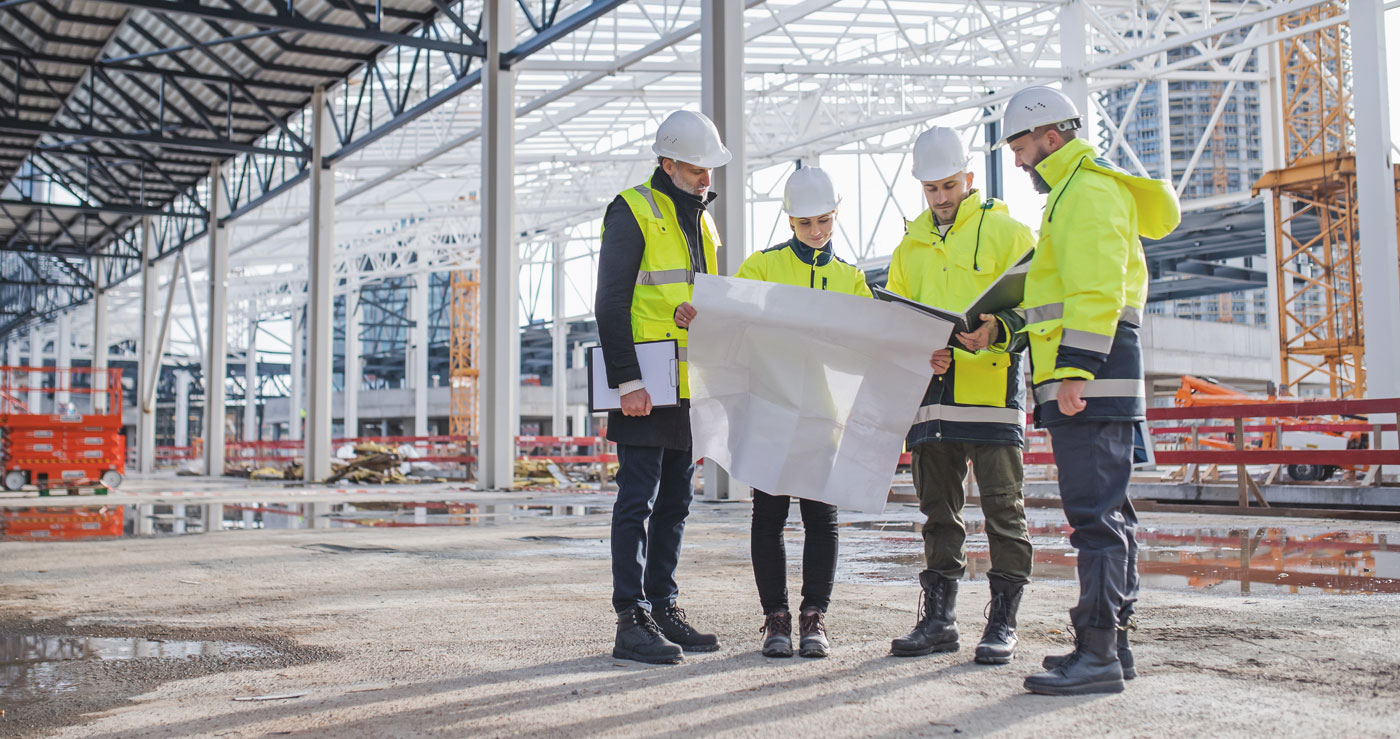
{"x":50,"y":523}
{"x":1258,"y":559}
{"x":31,"y":666}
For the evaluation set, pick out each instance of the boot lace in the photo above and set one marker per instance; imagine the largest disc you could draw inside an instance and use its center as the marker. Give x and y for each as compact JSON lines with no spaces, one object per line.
{"x":778,"y":622}
{"x":994,"y":613}
{"x":642,"y":618}
{"x":1072,"y":657}
{"x":813,"y":624}
{"x":676,"y":615}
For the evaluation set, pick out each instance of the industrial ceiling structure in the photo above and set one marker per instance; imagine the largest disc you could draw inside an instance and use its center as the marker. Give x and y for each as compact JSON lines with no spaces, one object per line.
{"x":128,"y":127}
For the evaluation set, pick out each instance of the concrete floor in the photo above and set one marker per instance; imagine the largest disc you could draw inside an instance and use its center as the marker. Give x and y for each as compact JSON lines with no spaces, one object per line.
{"x":502,"y":627}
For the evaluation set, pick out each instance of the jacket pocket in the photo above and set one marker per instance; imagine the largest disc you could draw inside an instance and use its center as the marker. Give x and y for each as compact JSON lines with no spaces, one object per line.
{"x":980,"y":379}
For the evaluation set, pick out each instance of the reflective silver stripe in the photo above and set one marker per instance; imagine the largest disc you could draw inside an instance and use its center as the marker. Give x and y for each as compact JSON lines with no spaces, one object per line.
{"x":969,"y":414}
{"x":681,"y":353}
{"x":646,"y":193}
{"x":1095,"y":389}
{"x":663,"y":276}
{"x":1049,"y":312}
{"x":1086,"y":340}
{"x":1055,"y":311}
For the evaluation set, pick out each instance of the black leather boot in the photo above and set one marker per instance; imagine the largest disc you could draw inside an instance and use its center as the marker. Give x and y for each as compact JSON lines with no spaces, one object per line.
{"x":777,"y":634}
{"x":998,"y":645}
{"x":1125,"y":657}
{"x":937,"y":628}
{"x":676,"y":629}
{"x":814,"y":642}
{"x":1092,"y":667}
{"x":640,"y":639}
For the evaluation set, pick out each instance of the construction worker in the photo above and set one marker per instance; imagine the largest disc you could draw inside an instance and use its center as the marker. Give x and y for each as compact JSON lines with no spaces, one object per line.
{"x":974,"y":408}
{"x":656,"y":237}
{"x":805,"y":260}
{"x":1085,"y":293}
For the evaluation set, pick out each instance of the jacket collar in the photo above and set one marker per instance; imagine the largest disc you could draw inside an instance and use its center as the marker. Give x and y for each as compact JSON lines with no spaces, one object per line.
{"x":661,"y":182}
{"x":1061,"y":164}
{"x":807,"y":254}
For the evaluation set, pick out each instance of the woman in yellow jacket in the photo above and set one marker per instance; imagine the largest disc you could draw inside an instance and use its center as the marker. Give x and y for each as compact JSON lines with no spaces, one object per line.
{"x":805,"y":260}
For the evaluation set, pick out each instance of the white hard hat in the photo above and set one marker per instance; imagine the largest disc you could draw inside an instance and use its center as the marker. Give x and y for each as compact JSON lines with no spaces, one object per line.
{"x":809,"y":192}
{"x":938,"y":154}
{"x":1034,"y":107}
{"x":690,"y":137}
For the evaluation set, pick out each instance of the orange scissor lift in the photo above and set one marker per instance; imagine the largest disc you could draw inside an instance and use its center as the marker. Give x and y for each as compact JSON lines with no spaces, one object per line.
{"x":61,"y":428}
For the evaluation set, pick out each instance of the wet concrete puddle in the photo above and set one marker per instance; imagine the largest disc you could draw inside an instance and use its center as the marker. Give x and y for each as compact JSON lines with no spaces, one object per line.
{"x":1230,"y":559}
{"x":32,"y":667}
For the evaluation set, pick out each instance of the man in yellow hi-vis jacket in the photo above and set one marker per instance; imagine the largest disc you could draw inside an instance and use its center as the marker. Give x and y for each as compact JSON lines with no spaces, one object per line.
{"x":974,"y":408}
{"x":1085,"y":294}
{"x":656,"y":237}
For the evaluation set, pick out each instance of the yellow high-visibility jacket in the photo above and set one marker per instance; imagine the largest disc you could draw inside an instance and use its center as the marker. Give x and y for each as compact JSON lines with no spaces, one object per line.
{"x":1087,"y":285}
{"x":794,"y":263}
{"x":981,"y":398}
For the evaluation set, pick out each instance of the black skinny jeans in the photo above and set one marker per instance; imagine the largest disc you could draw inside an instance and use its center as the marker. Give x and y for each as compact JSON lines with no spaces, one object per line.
{"x":769,"y":555}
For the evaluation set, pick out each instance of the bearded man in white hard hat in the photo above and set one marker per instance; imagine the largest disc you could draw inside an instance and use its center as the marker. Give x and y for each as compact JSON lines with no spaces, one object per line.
{"x":1085,"y":293}
{"x":656,"y":237}
{"x":974,"y":408}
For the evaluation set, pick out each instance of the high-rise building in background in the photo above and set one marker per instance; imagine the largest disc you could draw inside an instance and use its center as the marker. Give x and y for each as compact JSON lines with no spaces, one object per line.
{"x":1229,"y":161}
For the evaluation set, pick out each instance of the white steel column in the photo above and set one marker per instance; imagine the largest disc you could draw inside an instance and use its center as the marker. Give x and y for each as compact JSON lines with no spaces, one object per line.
{"x":36,"y":359}
{"x":1073,"y":47}
{"x":250,"y":384}
{"x":298,"y":370}
{"x":560,"y":336}
{"x":319,"y":298}
{"x":182,"y":407}
{"x":353,"y":372}
{"x":216,"y":356}
{"x":722,"y":99}
{"x":150,"y":313}
{"x":1375,"y":184}
{"x":99,"y":342}
{"x":63,"y":362}
{"x":1272,"y":157}
{"x":418,"y":379}
{"x":500,"y":331}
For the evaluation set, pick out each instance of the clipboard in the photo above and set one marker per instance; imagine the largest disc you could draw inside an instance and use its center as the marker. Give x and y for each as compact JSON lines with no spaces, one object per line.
{"x":1007,"y":292}
{"x":660,"y":374}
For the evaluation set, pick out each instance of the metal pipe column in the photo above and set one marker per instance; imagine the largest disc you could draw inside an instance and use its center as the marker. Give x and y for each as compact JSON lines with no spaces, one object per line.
{"x":36,"y":359}
{"x":500,"y":334}
{"x":319,"y":298}
{"x":216,"y":357}
{"x":353,"y":373}
{"x":1375,"y":184}
{"x":250,"y":384}
{"x":298,"y":370}
{"x":150,"y":313}
{"x":182,"y":407}
{"x":99,"y":341}
{"x":560,"y":337}
{"x":418,"y":339}
{"x":722,"y":99}
{"x":63,"y":362}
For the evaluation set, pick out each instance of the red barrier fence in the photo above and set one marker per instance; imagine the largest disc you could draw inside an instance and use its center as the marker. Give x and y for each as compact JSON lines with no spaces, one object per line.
{"x":435,"y":449}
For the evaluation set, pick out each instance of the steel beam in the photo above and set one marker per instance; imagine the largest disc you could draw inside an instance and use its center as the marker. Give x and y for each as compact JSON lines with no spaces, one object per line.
{"x":182,"y":407}
{"x":1375,"y":184}
{"x":722,"y":99}
{"x":559,"y":30}
{"x":99,"y":341}
{"x":417,"y":370}
{"x":122,"y":210}
{"x":63,"y":361}
{"x":291,"y":21}
{"x":176,"y":142}
{"x":500,"y":332}
{"x":36,"y":359}
{"x":1073,"y":52}
{"x":320,"y":300}
{"x":559,"y":337}
{"x":216,"y":356}
{"x":250,"y":384}
{"x":146,"y":417}
{"x":298,"y":371}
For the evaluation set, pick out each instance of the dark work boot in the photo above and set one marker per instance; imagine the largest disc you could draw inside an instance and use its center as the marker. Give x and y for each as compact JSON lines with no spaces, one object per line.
{"x":1091,"y":668}
{"x":998,"y":645}
{"x":937,"y":627}
{"x":675,"y":628}
{"x":777,"y":631}
{"x":640,"y":639}
{"x":814,"y":642}
{"x":1125,"y":657}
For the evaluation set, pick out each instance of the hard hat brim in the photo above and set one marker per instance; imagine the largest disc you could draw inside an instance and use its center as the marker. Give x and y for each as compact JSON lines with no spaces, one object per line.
{"x":718,"y":159}
{"x":934,"y":174}
{"x":813,"y":212}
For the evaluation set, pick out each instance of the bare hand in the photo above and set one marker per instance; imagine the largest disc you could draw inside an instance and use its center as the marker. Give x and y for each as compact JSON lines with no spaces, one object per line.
{"x":941,"y":361}
{"x":1068,"y":397}
{"x":685,"y":313}
{"x":980,"y":339}
{"x":636,"y":403}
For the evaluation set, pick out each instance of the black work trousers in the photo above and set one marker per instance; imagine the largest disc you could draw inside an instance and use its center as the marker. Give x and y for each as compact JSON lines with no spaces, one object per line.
{"x":769,"y":553}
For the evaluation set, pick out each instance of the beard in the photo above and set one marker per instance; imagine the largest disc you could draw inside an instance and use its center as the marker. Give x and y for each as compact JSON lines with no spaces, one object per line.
{"x":1041,"y":186}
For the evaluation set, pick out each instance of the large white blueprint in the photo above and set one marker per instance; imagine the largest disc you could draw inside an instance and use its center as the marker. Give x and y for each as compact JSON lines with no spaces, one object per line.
{"x":804,"y":392}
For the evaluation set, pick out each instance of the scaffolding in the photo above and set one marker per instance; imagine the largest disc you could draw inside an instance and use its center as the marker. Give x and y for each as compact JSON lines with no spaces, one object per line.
{"x":462,"y":354}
